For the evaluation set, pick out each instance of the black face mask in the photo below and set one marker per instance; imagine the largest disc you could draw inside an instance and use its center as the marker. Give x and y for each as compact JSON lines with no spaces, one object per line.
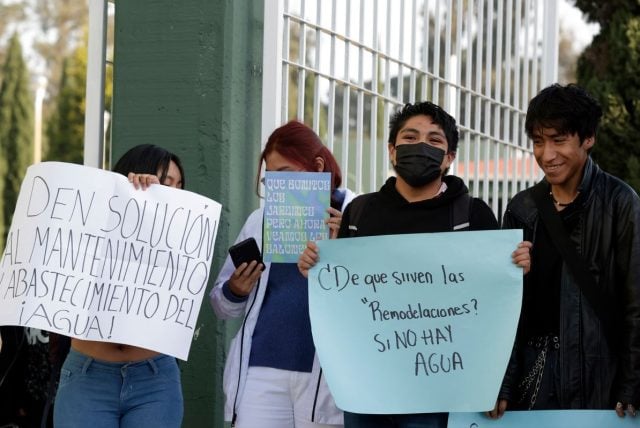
{"x":418,"y":164}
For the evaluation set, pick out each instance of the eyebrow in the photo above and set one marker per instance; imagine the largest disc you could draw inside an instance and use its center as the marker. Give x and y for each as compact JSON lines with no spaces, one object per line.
{"x":409,"y":131}
{"x":282,"y":168}
{"x":549,"y":135}
{"x":438,"y":133}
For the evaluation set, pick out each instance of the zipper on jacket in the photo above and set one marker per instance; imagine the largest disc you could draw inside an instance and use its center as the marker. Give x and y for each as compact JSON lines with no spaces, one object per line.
{"x":315,"y":398}
{"x":244,"y":323}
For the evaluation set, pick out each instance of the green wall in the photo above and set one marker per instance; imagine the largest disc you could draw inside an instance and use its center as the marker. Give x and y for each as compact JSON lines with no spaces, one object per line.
{"x":187,"y":76}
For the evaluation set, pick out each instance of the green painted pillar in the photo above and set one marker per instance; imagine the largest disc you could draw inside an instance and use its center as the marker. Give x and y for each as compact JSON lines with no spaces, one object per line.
{"x":187,"y":76}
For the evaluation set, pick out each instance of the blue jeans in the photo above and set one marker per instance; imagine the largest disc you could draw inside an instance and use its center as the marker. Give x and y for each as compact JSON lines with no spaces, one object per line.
{"x":101,"y":394}
{"x":420,"y":420}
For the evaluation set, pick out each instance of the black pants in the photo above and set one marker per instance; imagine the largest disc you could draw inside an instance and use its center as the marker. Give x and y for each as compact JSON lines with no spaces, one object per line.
{"x":540,"y":393}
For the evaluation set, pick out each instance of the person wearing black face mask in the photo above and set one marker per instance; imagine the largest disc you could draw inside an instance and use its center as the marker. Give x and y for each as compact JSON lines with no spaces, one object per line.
{"x":418,"y":164}
{"x":423,"y":139}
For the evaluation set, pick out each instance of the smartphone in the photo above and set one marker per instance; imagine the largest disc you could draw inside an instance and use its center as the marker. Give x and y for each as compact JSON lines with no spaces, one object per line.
{"x":245,"y":251}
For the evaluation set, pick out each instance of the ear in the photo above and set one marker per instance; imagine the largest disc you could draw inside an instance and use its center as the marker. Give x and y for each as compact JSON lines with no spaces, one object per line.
{"x":589,"y":142}
{"x":392,"y":153}
{"x":319,"y":162}
{"x":448,"y":159}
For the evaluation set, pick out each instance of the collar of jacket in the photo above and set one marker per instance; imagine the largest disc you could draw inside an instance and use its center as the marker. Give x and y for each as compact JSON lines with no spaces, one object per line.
{"x":588,"y":178}
{"x":585,"y":188}
{"x":524,"y":207}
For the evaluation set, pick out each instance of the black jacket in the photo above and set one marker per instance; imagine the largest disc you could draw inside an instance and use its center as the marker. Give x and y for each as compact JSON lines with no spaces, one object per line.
{"x":595,"y":371}
{"x":387,"y":212}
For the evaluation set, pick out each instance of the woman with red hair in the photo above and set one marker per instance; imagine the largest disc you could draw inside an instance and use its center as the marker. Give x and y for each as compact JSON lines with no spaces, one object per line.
{"x":272,"y":378}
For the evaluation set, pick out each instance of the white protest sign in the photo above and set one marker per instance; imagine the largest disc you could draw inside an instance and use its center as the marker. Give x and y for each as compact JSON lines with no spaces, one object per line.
{"x":90,"y":257}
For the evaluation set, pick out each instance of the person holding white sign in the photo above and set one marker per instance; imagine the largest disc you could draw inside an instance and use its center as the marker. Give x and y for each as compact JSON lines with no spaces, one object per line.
{"x":272,"y":377}
{"x":423,"y":140}
{"x":114,"y":385}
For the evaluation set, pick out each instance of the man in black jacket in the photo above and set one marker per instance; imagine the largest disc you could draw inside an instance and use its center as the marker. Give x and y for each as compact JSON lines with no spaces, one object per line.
{"x":423,"y":139}
{"x":578,"y":341}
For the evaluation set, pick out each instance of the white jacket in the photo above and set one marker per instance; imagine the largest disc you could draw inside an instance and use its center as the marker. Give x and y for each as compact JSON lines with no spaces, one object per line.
{"x":322,"y":408}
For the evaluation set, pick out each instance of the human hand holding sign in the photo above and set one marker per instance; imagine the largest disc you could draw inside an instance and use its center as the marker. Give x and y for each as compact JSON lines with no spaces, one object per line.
{"x":501,"y":406}
{"x":334,"y":220}
{"x":308,"y":258}
{"x":522,"y":256}
{"x":142,"y":181}
{"x":498,"y":410}
{"x":620,"y":409}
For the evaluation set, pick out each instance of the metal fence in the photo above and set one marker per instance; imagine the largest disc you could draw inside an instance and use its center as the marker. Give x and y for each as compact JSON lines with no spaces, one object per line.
{"x":97,"y":121}
{"x":344,"y":66}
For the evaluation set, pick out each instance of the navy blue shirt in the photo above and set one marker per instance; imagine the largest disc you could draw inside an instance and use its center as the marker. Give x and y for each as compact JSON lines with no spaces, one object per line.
{"x":282,"y":337}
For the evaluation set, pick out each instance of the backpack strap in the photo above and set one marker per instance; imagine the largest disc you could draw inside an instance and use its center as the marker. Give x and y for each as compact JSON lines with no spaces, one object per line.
{"x":461,"y":212}
{"x":356,"y":211}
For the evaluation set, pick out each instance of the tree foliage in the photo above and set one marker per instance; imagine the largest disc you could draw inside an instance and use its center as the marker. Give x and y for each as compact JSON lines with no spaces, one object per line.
{"x":65,"y":129}
{"x":9,"y":14}
{"x":603,"y":11}
{"x":16,"y":131}
{"x":567,"y":57}
{"x":67,"y":20}
{"x":608,"y":69}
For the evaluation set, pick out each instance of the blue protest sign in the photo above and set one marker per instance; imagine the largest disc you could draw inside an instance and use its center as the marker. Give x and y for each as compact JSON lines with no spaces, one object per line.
{"x":545,"y":418}
{"x":416,"y":323}
{"x":295,"y":208}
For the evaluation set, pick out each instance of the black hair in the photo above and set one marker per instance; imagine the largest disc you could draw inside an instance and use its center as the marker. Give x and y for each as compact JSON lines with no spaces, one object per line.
{"x":148,"y":159}
{"x":568,"y":109}
{"x":435,"y":112}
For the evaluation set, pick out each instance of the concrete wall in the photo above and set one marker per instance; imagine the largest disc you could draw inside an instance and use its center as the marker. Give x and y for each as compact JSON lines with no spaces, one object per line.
{"x":187,"y":76}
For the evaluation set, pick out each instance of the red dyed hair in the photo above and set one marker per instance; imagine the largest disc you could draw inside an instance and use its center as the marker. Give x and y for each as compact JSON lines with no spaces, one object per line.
{"x":301,"y":145}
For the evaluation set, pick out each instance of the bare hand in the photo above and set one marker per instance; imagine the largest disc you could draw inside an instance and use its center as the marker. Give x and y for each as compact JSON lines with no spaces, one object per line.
{"x":522,"y":256}
{"x":498,"y":410}
{"x":308,"y":258}
{"x":333,"y":222}
{"x":620,"y":410}
{"x":245,"y":277}
{"x":142,"y":180}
